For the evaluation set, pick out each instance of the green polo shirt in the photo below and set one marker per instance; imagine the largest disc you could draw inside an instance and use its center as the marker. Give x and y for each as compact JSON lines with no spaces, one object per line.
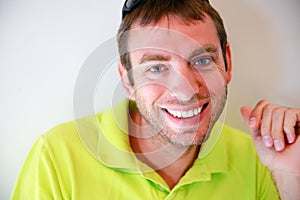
{"x":91,"y":158}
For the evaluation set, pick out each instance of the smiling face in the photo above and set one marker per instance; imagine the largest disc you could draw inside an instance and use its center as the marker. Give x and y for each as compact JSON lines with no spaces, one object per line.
{"x":179,"y":78}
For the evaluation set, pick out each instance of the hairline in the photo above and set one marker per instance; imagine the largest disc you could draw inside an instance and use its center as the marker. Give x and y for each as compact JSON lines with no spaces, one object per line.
{"x":209,"y":12}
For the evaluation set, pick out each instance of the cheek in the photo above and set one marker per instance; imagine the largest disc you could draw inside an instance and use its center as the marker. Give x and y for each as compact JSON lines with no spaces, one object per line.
{"x":149,"y":92}
{"x":216,"y":82}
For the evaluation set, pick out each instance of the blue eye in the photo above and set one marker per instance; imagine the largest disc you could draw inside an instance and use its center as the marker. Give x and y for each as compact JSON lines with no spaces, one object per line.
{"x":156,"y":71}
{"x":203,"y":61}
{"x":157,"y":68}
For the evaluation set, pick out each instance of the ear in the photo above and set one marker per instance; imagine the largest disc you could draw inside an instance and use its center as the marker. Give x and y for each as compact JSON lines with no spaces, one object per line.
{"x":125,"y":80}
{"x":229,"y":63}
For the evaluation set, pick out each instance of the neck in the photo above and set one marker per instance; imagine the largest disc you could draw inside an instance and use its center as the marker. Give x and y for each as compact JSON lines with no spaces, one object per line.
{"x":170,"y":161}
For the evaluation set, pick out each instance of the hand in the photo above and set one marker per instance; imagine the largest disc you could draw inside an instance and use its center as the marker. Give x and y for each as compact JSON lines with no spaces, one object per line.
{"x":275,"y":132}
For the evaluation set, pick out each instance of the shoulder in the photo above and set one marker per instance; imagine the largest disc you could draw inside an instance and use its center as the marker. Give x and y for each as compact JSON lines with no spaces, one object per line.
{"x":63,"y":130}
{"x":59,"y":136}
{"x":65,"y":139}
{"x":69,"y":131}
{"x":236,"y":137}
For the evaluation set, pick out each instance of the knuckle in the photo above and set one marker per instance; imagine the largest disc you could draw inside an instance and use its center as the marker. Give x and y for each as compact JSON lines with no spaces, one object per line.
{"x":277,"y":133}
{"x":276,"y":129}
{"x":268,"y":108}
{"x":265,"y":121}
{"x":278,"y":110}
{"x":263,"y":102}
{"x":290,"y":111}
{"x":265,"y":131}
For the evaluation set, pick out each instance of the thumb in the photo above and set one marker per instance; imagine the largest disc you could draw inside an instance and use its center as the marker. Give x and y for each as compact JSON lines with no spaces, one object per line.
{"x":246,"y":111}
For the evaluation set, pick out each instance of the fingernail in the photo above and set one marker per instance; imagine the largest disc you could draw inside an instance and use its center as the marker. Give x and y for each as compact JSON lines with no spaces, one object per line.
{"x":278,"y":146}
{"x":290,"y":139}
{"x":268,"y":141}
{"x":252,"y":122}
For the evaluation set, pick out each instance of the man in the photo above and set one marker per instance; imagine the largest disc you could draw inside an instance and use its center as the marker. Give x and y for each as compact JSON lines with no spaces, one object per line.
{"x":167,"y":141}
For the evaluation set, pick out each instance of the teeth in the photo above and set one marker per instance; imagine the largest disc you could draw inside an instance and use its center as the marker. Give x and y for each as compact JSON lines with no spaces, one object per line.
{"x":185,"y":114}
{"x":197,"y":111}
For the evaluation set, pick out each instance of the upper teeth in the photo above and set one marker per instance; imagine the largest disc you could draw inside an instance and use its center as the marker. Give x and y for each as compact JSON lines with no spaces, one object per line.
{"x":185,"y":114}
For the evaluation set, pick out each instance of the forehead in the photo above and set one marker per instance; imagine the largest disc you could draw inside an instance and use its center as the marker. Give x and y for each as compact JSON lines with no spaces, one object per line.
{"x":171,"y":34}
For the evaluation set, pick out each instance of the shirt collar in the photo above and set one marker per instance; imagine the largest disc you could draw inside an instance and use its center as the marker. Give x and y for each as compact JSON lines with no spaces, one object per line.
{"x":213,"y":152}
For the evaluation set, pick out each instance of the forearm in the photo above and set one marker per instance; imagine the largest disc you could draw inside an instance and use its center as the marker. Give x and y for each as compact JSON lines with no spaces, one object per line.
{"x":288,"y":185}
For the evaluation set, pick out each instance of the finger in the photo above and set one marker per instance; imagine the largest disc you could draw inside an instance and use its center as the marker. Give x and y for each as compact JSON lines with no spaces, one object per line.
{"x":277,"y":128}
{"x":246,"y":112}
{"x":266,"y":124}
{"x":257,"y":114}
{"x":290,"y":125}
{"x":255,"y":133}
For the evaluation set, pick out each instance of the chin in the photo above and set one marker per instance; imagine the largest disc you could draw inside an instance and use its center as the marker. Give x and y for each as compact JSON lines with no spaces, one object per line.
{"x":186,"y":139}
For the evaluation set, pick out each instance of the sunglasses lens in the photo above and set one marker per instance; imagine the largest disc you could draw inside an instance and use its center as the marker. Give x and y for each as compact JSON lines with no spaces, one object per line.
{"x":128,"y":6}
{"x":129,"y":3}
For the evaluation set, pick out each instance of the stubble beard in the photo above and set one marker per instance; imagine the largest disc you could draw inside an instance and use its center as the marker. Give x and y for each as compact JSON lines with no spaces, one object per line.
{"x":176,"y":137}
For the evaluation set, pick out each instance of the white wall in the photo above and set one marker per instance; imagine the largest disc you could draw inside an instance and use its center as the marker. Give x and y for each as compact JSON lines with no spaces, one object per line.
{"x":264,"y":36}
{"x":44,"y":44}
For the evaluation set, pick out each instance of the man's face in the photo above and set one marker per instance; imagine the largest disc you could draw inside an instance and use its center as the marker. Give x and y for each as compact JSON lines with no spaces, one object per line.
{"x":180,"y":81}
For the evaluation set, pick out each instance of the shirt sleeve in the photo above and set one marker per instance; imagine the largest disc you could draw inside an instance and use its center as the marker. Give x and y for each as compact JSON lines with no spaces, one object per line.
{"x":38,"y":178}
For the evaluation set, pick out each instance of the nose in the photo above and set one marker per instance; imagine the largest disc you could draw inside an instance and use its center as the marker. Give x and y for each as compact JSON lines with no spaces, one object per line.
{"x":185,"y":82}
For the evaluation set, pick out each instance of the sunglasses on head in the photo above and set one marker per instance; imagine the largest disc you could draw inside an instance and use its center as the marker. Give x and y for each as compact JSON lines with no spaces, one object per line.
{"x":131,"y":4}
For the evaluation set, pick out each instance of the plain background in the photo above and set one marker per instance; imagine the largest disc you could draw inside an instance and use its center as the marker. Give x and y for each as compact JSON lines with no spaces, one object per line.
{"x":43,"y":45}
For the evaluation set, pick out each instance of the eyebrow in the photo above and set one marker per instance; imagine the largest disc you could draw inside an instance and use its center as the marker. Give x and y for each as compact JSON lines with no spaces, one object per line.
{"x":148,"y":57}
{"x":154,"y":57}
{"x":210,"y":48}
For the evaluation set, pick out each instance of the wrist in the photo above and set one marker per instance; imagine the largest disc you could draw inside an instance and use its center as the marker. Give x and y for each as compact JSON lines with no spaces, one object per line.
{"x":288,"y":184}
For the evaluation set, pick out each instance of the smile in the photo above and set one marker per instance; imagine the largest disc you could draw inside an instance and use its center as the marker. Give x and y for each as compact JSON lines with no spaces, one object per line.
{"x":186,"y":114}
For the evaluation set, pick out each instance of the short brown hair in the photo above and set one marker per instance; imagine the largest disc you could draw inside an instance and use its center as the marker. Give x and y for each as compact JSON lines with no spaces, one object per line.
{"x":151,"y":11}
